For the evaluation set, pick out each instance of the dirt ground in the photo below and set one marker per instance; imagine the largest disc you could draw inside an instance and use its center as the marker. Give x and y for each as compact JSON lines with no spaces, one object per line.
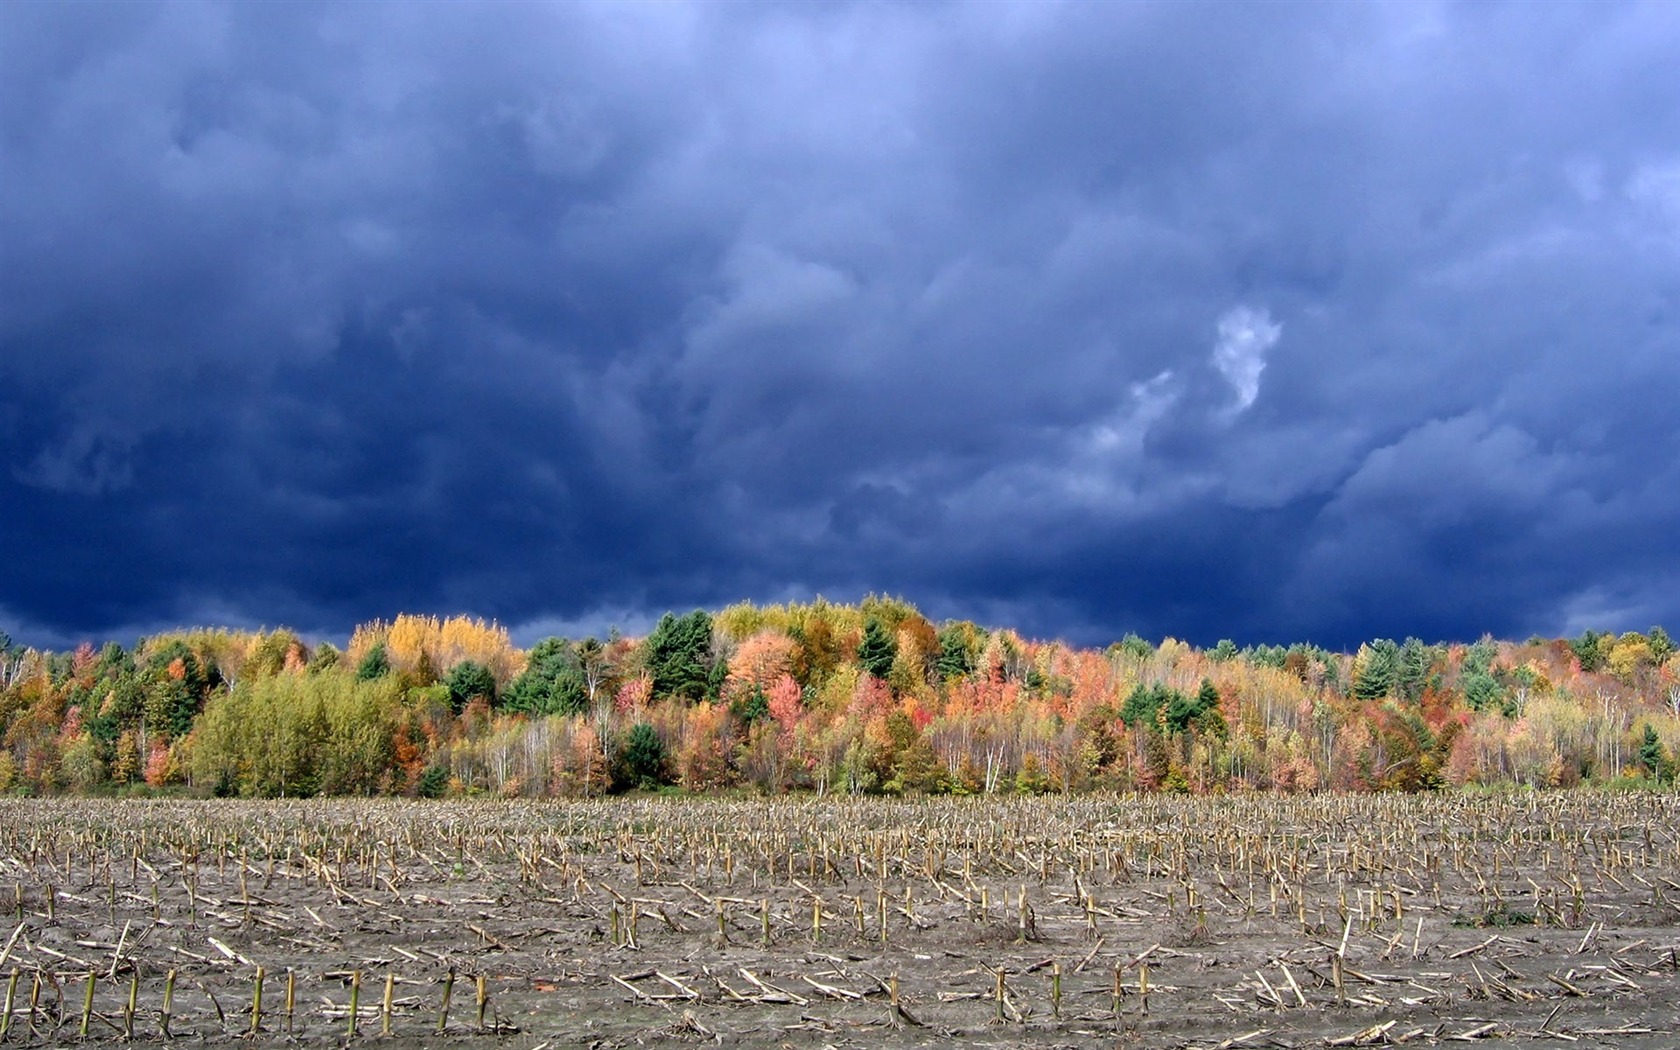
{"x":1327,"y":921}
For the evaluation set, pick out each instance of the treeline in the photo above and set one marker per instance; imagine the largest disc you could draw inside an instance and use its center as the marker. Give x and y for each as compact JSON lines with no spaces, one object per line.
{"x":824,"y":697}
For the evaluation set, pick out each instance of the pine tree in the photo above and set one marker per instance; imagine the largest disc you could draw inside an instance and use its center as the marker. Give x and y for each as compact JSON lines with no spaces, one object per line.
{"x":1375,"y":668}
{"x":642,"y":758}
{"x":1662,"y":646}
{"x":955,"y":659}
{"x":376,"y":664}
{"x":1412,"y":675}
{"x":1589,"y":650}
{"x":469,"y":680}
{"x":1653,"y":756}
{"x":877,"y":650}
{"x":679,"y":655}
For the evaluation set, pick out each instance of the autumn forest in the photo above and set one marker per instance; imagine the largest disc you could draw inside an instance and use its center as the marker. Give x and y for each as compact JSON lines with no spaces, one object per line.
{"x":825,"y":698}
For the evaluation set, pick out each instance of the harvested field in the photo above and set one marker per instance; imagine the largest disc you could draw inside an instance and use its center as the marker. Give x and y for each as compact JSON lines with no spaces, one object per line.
{"x":1235,"y":922}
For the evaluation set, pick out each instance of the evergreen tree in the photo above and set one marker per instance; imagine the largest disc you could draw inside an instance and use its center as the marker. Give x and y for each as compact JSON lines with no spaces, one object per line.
{"x":469,"y":680}
{"x":877,"y":650}
{"x":1412,"y":676}
{"x":324,"y":658}
{"x":1662,"y":646}
{"x":433,"y":782}
{"x":1184,"y":712}
{"x":114,"y":662}
{"x":1589,"y":650}
{"x":1482,"y":688}
{"x":956,"y":660}
{"x":1375,"y":668}
{"x":1143,"y":705}
{"x":1209,"y":718}
{"x":641,"y":759}
{"x":376,"y":664}
{"x":752,"y":707}
{"x":1482,"y":691}
{"x":552,"y":682}
{"x":715,"y":679}
{"x":569,"y":695}
{"x":1133,"y":646}
{"x":679,"y":655}
{"x":126,"y":700}
{"x":1180,"y":710}
{"x":1653,"y":756}
{"x":176,"y":687}
{"x":1268,"y":656}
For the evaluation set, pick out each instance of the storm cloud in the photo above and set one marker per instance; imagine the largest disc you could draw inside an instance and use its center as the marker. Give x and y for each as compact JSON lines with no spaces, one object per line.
{"x":1272,"y":322}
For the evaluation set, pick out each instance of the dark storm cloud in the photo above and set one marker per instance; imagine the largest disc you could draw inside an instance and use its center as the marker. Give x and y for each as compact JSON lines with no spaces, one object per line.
{"x":1271,"y":322}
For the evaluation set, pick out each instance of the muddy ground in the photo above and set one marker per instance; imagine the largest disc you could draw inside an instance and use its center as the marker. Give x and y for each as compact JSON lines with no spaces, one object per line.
{"x":1260,"y":922}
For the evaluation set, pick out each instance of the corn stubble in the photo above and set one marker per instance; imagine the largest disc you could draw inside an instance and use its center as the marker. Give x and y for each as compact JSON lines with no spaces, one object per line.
{"x":1230,"y":922}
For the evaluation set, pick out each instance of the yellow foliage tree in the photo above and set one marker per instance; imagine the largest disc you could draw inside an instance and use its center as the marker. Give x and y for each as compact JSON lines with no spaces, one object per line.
{"x":1631,"y":653}
{"x":414,"y":642}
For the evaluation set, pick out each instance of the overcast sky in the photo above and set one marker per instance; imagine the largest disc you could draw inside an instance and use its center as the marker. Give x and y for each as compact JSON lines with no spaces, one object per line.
{"x":1265,"y":321}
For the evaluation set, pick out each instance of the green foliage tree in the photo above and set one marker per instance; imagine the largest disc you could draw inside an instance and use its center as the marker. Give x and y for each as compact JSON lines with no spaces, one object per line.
{"x":856,"y":772}
{"x":1200,"y":712}
{"x":751,"y":707}
{"x":376,"y":664}
{"x":114,"y":663}
{"x":956,"y":659}
{"x":296,"y":735}
{"x":678,"y":655}
{"x":356,"y":758}
{"x":552,"y":682}
{"x":469,"y":680}
{"x":1414,"y":671}
{"x":1654,"y":757}
{"x":268,"y":655}
{"x":433,"y":782}
{"x":1180,"y":711}
{"x":1590,"y":650}
{"x":1662,"y":646}
{"x":641,"y":759}
{"x":262,"y":739}
{"x":1143,"y":704}
{"x":1375,"y":668}
{"x":177,"y":685}
{"x":876,"y":651}
{"x":1031,"y":779}
{"x":1268,"y":656}
{"x":81,"y":765}
{"x":325,"y":657}
{"x":716,"y":676}
{"x":1133,"y":646}
{"x":1208,"y":718}
{"x":1483,"y":691}
{"x":918,"y":770}
{"x":125,"y":700}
